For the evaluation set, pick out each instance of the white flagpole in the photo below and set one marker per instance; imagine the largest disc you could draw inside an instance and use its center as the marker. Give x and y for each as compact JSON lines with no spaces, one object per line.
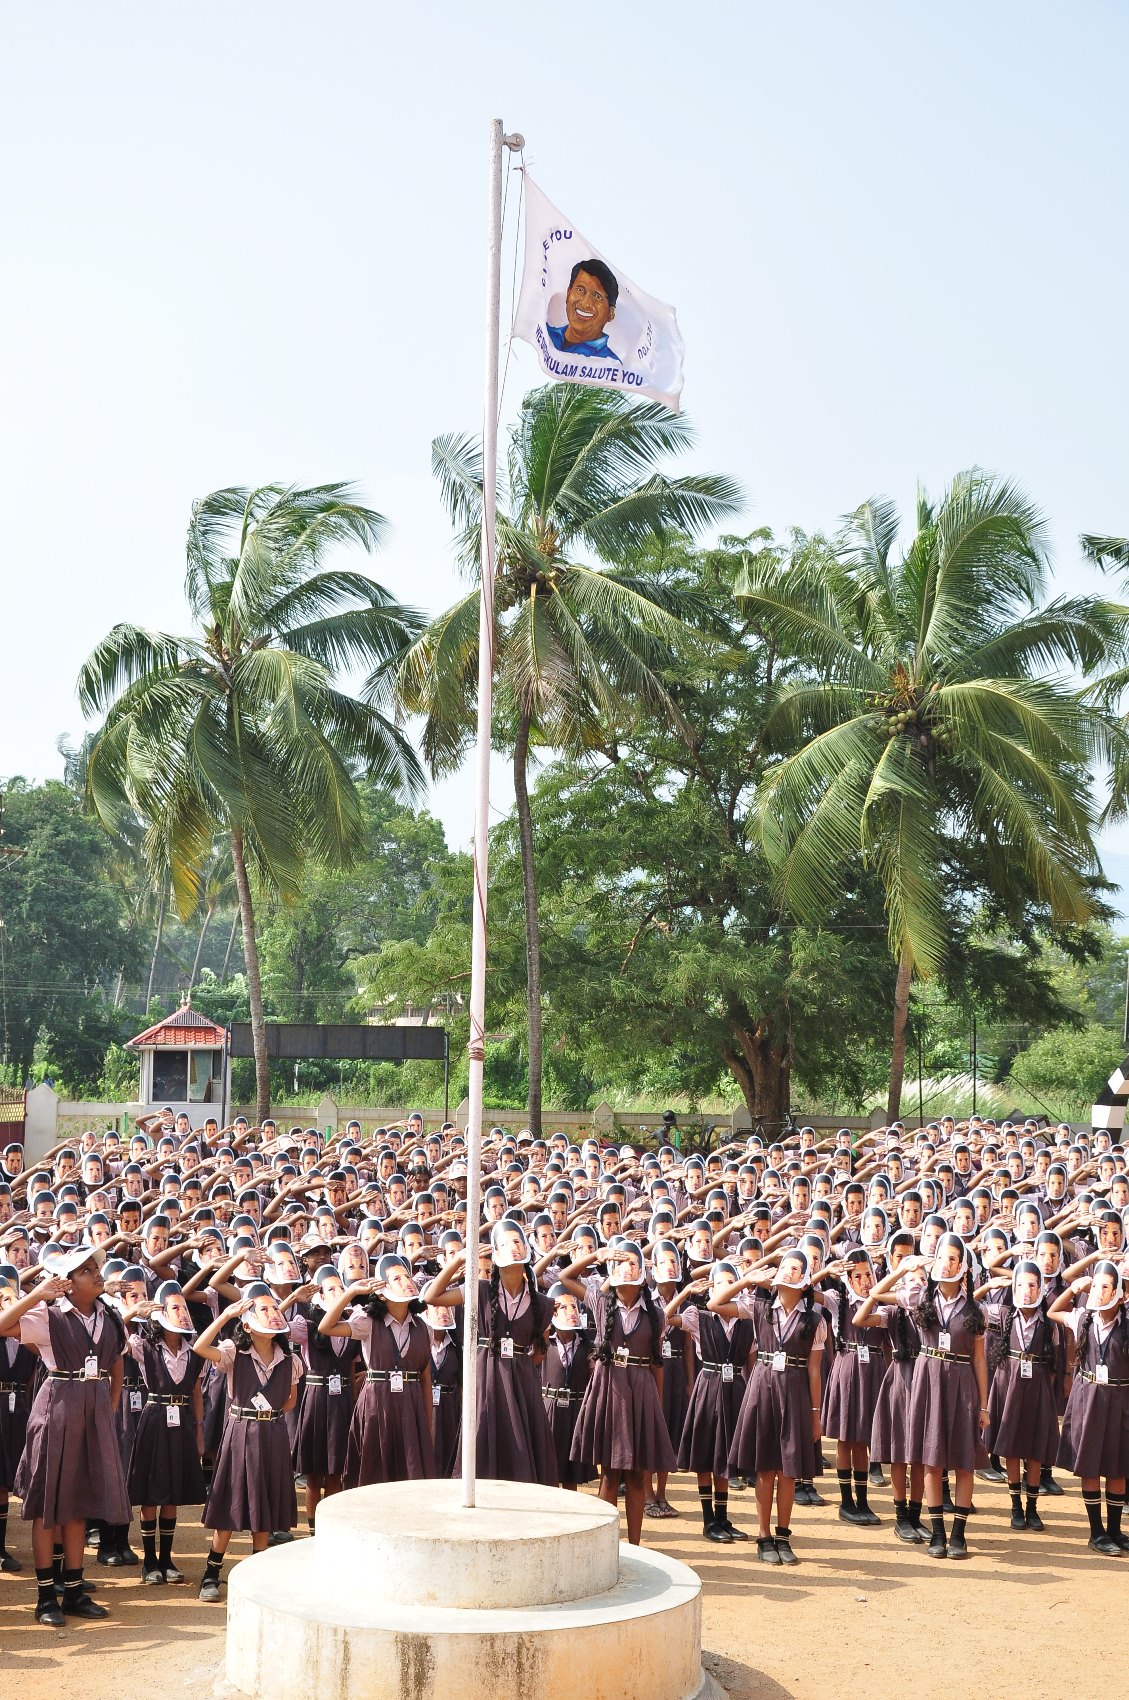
{"x":477,"y":1046}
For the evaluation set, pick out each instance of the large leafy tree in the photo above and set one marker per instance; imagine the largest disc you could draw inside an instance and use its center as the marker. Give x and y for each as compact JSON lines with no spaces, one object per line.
{"x":64,"y":934}
{"x":243,"y":729}
{"x":580,"y":650}
{"x":939,"y":711}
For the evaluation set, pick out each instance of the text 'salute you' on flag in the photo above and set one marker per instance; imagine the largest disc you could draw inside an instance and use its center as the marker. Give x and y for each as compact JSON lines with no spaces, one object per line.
{"x":588,"y":322}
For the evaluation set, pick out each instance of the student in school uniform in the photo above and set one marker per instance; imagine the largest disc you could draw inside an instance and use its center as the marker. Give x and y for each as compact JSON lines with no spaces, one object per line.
{"x":164,"y":1467}
{"x":853,"y":1386}
{"x":17,"y":1366}
{"x":565,"y":1375}
{"x":777,"y":1435}
{"x":620,"y":1425}
{"x":1095,"y":1430}
{"x":949,"y":1395}
{"x":70,"y":1473}
{"x":513,"y":1440}
{"x":1022,"y":1422}
{"x":325,"y":1400}
{"x":884,"y":1308}
{"x":723,"y":1349}
{"x":252,"y":1486}
{"x":677,"y":1350}
{"x":446,"y":1387}
{"x":390,"y":1431}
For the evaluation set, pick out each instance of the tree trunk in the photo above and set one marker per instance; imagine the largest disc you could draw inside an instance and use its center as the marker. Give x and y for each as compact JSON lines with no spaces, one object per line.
{"x":156,"y":946}
{"x":761,"y":1064}
{"x":230,"y":943}
{"x":898,"y":1050}
{"x":254,"y":984}
{"x":208,"y":913}
{"x":532,"y":923}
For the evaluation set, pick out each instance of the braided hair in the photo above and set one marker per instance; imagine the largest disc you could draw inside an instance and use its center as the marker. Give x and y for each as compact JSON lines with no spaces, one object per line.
{"x":604,"y":1351}
{"x":496,"y":1308}
{"x":926,"y":1315}
{"x":1086,"y":1323}
{"x":1000,"y":1344}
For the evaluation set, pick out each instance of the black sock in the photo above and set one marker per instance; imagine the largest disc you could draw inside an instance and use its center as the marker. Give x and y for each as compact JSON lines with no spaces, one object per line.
{"x":993,"y":1459}
{"x":214,"y":1566}
{"x":1016,"y":1493}
{"x":310,"y":1524}
{"x":721,"y":1505}
{"x":45,"y":1577}
{"x":1032,"y":1498}
{"x":149,"y":1541}
{"x":167,"y":1527}
{"x":845,"y":1489}
{"x":4,"y":1530}
{"x":705,"y":1494}
{"x":937,"y":1519}
{"x":913,"y":1509}
{"x":57,"y":1562}
{"x":960,"y":1518}
{"x":1114,"y":1504}
{"x":783,"y":1534}
{"x":900,"y":1510}
{"x":120,"y":1533}
{"x":72,"y":1585}
{"x":861,"y":1480}
{"x":1046,"y":1475}
{"x":1093,"y":1504}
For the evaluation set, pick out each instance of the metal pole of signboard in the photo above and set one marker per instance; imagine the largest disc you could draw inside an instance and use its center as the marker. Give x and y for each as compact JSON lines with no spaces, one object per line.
{"x":499,"y":142}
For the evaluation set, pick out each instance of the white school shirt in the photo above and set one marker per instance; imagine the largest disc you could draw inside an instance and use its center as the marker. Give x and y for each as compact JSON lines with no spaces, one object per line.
{"x":228,"y":1352}
{"x":35,"y":1329}
{"x":175,"y":1362}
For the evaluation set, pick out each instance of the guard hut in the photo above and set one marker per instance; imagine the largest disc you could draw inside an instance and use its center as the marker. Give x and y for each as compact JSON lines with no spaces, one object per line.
{"x":184,"y":1063}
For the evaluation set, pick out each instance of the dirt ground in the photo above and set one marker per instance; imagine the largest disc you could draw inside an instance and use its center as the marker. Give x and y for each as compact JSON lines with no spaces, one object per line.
{"x":860,"y":1615}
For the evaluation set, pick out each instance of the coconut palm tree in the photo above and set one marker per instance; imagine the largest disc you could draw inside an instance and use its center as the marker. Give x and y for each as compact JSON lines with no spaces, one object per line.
{"x":242,"y":730}
{"x":578,"y":647}
{"x":938,"y":707}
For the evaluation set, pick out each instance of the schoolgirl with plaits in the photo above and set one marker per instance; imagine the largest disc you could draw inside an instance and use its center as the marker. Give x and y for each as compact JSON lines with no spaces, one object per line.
{"x":513,"y":1440}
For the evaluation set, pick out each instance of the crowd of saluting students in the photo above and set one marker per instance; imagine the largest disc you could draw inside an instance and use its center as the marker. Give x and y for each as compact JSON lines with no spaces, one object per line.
{"x":213,"y":1316}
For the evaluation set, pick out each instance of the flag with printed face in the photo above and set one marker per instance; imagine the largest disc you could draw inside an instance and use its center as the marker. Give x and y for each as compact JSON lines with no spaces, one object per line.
{"x":588,"y":322}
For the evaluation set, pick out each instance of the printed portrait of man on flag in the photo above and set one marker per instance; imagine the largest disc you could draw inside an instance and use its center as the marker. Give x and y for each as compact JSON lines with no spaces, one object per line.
{"x":593,"y":291}
{"x":586,"y":319}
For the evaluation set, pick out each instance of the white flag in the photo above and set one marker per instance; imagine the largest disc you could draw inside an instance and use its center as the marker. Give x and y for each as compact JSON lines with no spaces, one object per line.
{"x":588,"y":322}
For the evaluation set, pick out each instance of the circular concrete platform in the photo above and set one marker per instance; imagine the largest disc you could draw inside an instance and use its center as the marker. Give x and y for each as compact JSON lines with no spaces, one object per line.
{"x":416,"y":1541}
{"x":406,"y":1595}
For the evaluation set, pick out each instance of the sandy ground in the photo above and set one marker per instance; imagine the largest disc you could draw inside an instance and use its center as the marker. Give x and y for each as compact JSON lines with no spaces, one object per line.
{"x":861,"y":1615}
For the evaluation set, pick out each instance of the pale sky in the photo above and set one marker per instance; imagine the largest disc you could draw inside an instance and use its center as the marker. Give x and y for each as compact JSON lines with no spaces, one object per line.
{"x":245,"y":243}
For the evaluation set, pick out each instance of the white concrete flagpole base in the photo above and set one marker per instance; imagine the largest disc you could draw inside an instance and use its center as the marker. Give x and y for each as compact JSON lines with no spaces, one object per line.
{"x":406,"y":1595}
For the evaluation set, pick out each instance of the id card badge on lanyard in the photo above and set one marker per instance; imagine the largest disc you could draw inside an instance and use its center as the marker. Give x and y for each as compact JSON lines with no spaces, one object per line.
{"x":727,"y":1372}
{"x":396,"y":1380}
{"x":1025,"y":1369}
{"x":1101,"y":1368}
{"x":172,"y":1416}
{"x":134,"y":1399}
{"x":506,"y":1346}
{"x":90,"y":1367}
{"x":944,"y":1341}
{"x":335,"y":1384}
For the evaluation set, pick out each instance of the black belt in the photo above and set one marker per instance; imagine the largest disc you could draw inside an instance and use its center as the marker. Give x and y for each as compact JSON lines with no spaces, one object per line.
{"x":945,"y":1357}
{"x":789,"y":1363}
{"x":248,"y":1414}
{"x":716,"y":1369}
{"x":629,"y":1361}
{"x":76,"y":1375}
{"x":387,"y":1374}
{"x":1088,"y":1375}
{"x":562,"y":1395}
{"x":519,"y":1351}
{"x":166,"y":1399}
{"x":860,"y":1345}
{"x":1025,"y":1357}
{"x":12,"y":1386}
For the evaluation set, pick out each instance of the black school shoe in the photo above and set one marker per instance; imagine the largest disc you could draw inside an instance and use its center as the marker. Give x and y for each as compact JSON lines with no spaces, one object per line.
{"x":784,"y":1547}
{"x":83,"y":1606}
{"x":766,"y":1550}
{"x":877,"y":1479}
{"x":938,"y":1547}
{"x":1019,"y":1521}
{"x":8,"y":1565}
{"x":1034,"y":1522}
{"x":1106,"y":1545}
{"x":51,"y":1614}
{"x":909,"y":1532}
{"x":957,"y":1547}
{"x":733,"y":1533}
{"x":716,"y":1531}
{"x":1049,"y":1485}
